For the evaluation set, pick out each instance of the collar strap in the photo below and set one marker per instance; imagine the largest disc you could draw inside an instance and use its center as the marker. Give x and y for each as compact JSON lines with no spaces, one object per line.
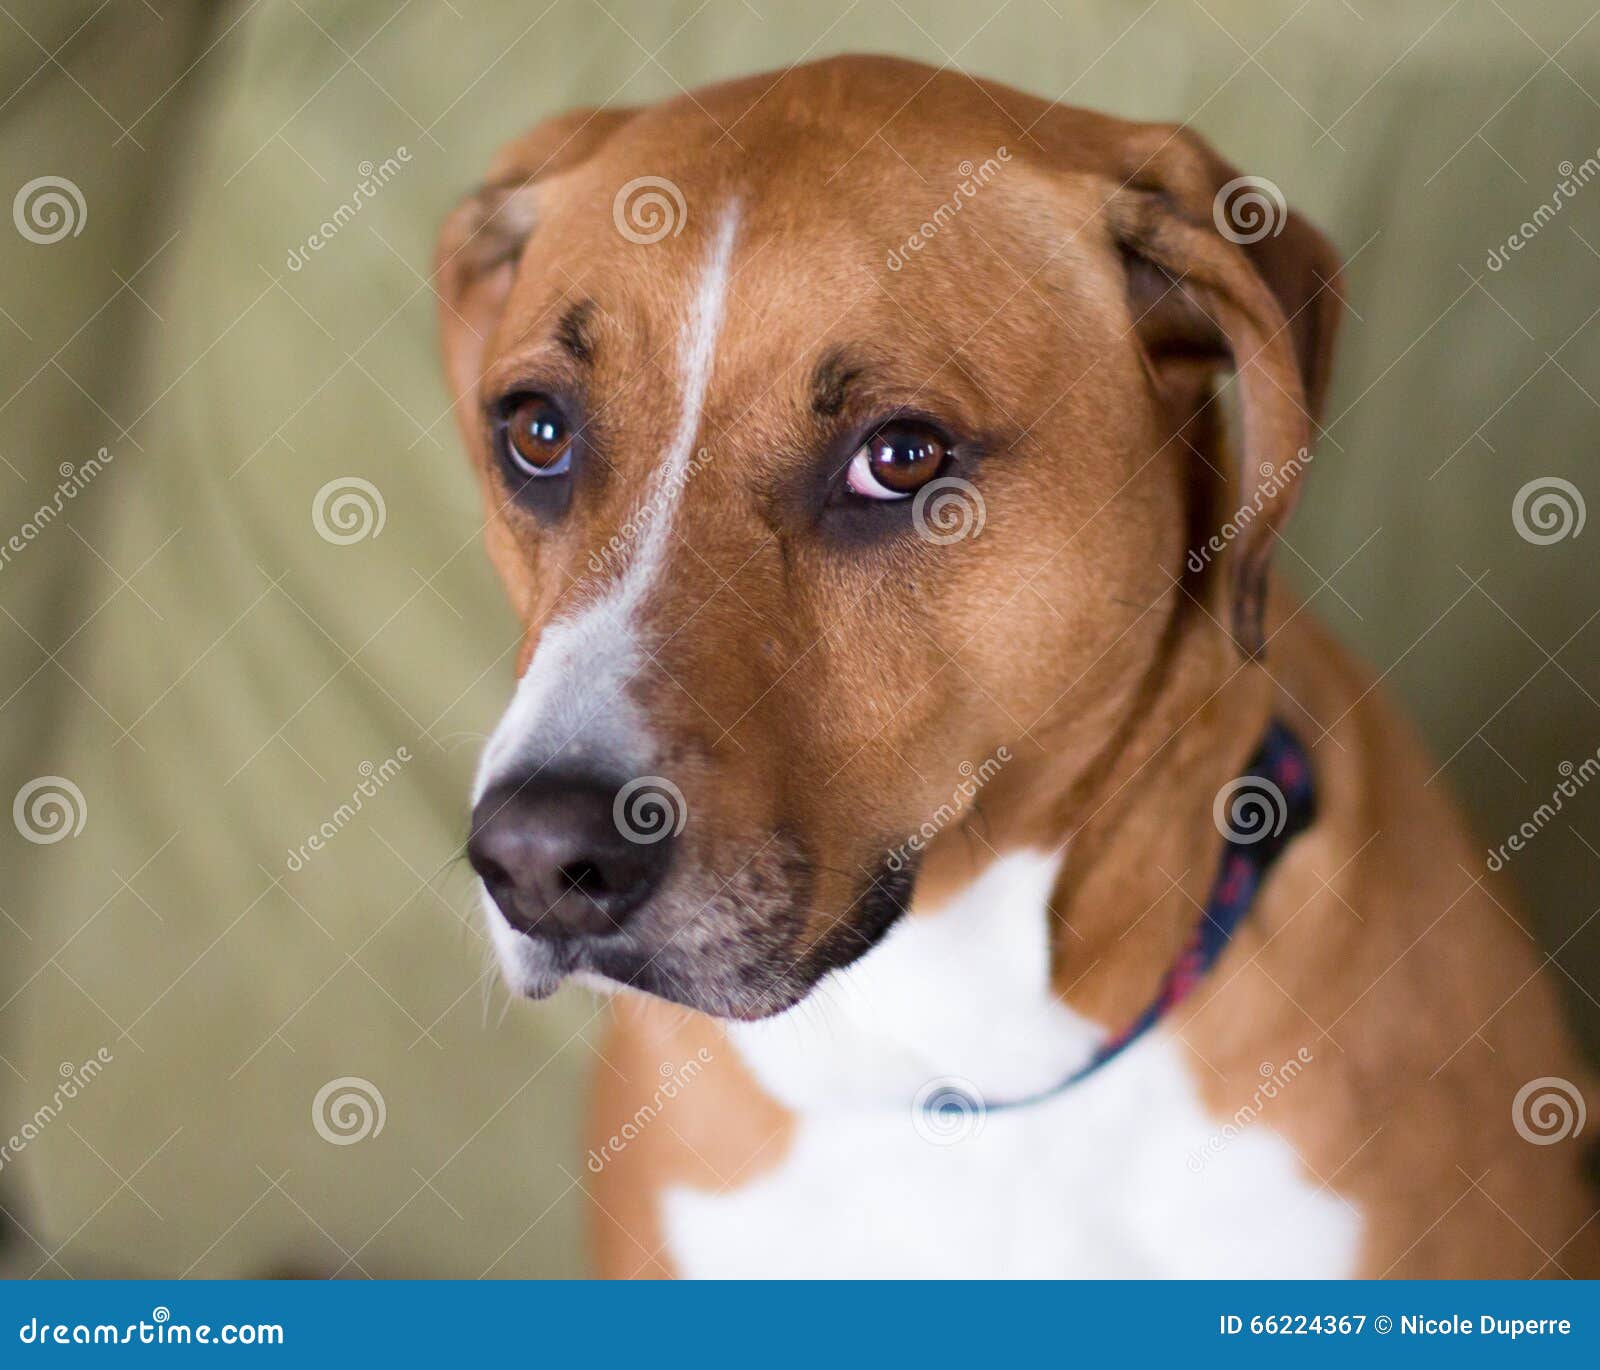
{"x":1259,"y":814}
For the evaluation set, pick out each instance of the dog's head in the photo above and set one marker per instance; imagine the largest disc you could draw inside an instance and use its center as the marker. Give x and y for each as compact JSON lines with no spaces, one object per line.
{"x":845,"y":439}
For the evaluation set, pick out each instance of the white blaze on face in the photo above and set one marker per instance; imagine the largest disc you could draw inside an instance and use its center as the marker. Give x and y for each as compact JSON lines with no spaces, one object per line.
{"x":573,"y":701}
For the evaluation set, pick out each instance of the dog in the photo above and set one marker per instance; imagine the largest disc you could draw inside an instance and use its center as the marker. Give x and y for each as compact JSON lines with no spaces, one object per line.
{"x":989,"y":869}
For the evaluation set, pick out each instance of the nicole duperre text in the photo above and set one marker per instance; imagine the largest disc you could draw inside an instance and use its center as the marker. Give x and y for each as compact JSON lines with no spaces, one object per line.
{"x":1407,"y":1325}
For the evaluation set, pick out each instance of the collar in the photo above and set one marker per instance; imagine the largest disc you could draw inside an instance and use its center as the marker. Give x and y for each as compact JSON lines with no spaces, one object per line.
{"x":1259,"y":813}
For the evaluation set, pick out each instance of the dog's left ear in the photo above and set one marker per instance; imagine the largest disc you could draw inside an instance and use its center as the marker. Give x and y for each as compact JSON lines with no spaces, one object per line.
{"x":1221,"y":274}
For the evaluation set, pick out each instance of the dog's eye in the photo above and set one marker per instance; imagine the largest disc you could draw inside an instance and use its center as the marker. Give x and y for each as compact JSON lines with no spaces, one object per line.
{"x":537,"y":439}
{"x":897,"y":461}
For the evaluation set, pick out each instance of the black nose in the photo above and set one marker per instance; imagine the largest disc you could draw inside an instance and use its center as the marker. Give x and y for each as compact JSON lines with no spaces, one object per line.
{"x":552,"y":856}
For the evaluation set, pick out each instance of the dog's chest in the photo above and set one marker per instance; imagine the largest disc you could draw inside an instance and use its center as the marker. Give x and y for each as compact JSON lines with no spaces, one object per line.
{"x":1121,"y":1175}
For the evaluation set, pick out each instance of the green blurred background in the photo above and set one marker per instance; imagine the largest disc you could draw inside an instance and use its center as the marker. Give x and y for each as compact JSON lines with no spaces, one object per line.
{"x":211,"y":674}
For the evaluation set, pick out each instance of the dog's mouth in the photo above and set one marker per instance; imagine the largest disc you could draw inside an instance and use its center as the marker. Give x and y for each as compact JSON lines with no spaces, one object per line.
{"x":752,"y":947}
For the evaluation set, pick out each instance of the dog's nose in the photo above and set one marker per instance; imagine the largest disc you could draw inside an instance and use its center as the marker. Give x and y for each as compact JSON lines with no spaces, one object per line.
{"x":550,"y":853}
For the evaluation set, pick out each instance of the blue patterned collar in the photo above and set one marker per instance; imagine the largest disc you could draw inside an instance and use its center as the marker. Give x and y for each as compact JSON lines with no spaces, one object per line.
{"x":1259,"y":814}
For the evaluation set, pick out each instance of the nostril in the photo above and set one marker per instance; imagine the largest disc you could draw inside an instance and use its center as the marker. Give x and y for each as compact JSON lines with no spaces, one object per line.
{"x":492,"y":873}
{"x":586,"y":878}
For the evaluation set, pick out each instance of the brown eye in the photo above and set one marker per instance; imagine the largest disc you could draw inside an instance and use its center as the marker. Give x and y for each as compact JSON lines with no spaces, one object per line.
{"x":897,"y":461}
{"x":536,"y":437}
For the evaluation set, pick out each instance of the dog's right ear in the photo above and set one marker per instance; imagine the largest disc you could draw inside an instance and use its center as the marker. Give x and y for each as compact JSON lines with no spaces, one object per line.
{"x":483,"y":238}
{"x":1212,"y":289}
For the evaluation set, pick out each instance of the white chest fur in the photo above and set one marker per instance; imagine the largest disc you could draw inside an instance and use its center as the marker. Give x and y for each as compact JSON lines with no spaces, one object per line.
{"x":1102,"y":1180}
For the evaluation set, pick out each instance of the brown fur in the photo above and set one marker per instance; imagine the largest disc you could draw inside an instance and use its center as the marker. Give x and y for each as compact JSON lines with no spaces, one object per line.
{"x":819,"y":696}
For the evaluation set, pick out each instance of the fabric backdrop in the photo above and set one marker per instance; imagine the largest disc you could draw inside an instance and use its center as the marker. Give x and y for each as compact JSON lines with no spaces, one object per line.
{"x":203,"y":678}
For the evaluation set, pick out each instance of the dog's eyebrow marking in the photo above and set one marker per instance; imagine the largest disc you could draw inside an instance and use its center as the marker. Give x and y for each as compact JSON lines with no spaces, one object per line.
{"x":574,"y":331}
{"x":829,"y":382}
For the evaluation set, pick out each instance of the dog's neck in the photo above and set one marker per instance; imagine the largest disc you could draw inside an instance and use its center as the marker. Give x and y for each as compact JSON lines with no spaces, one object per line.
{"x":1135,"y":823}
{"x":1044,"y":926}
{"x":1015,"y":969}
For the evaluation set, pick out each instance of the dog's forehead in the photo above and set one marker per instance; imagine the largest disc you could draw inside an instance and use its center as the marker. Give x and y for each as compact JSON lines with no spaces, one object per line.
{"x":852,"y":151}
{"x":874,"y":254}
